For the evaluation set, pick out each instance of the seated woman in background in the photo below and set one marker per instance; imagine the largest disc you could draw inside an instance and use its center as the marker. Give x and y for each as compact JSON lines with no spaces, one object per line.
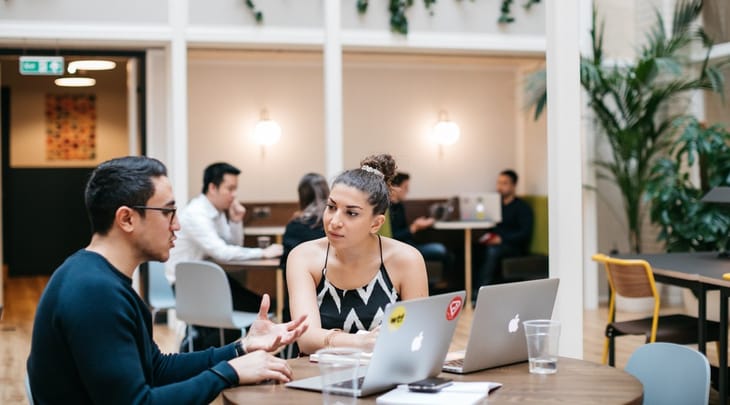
{"x":344,"y":280}
{"x":307,"y":222}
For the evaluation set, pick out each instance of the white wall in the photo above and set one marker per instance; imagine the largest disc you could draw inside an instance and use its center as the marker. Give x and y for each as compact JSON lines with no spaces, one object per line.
{"x":277,"y":13}
{"x":226,"y":95}
{"x":390,"y":104}
{"x":86,"y":11}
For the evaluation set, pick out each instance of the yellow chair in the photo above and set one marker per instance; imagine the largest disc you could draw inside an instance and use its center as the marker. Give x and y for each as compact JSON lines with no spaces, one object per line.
{"x":635,"y":279}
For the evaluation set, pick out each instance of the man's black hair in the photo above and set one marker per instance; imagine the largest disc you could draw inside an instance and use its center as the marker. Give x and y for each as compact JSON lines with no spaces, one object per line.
{"x":120,"y":182}
{"x":511,"y":174}
{"x":400,"y":177}
{"x":214,"y":173}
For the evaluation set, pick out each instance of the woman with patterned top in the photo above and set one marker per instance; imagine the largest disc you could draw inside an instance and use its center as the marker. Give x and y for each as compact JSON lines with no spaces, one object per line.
{"x":344,"y":281}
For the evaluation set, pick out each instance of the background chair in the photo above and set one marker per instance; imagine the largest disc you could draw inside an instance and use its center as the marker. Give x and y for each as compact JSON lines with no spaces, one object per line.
{"x":160,"y":295}
{"x":203,"y":297}
{"x":635,"y":279}
{"x":671,"y":374}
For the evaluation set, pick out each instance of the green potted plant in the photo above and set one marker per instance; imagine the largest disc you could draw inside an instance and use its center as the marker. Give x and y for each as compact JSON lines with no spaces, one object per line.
{"x":688,"y":224}
{"x":630,"y":102}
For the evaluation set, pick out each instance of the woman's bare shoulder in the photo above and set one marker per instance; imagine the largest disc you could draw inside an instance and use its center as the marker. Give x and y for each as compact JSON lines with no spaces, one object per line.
{"x":399,"y":252}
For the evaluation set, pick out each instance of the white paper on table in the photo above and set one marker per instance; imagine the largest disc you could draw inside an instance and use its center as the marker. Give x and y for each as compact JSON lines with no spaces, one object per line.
{"x":364,"y":357}
{"x":456,"y":393}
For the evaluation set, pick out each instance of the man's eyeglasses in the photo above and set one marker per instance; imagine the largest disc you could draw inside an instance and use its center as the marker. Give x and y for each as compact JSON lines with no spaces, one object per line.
{"x":164,"y":210}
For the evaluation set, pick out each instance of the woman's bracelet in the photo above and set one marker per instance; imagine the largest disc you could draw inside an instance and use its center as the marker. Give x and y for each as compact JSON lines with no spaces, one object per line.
{"x":330,"y":336}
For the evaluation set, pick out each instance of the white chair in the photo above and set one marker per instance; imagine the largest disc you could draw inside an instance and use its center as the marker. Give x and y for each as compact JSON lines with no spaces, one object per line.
{"x":159,"y":294}
{"x":203,"y":297}
{"x":671,"y":374}
{"x":28,"y":393}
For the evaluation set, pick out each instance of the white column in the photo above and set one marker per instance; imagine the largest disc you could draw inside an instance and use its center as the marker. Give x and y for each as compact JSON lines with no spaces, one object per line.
{"x":590,"y":197}
{"x":565,"y":165}
{"x":133,"y":105}
{"x":333,"y":89}
{"x":2,"y":254}
{"x":520,"y":116}
{"x":156,"y":93}
{"x":177,"y":145}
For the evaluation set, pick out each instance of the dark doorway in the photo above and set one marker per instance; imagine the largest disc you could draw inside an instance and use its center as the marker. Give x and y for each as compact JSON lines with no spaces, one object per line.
{"x":44,"y":217}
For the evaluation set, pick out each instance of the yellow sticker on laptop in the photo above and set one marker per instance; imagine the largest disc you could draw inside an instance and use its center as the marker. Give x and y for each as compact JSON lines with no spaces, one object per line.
{"x":397,"y":316}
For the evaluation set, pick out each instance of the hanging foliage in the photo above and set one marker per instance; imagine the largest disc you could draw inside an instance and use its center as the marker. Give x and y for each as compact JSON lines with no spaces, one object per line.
{"x":398,"y":8}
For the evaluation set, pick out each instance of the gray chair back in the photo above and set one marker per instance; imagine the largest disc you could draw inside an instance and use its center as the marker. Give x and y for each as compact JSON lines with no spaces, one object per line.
{"x":671,"y":374}
{"x":202,"y":295}
{"x":159,"y":295}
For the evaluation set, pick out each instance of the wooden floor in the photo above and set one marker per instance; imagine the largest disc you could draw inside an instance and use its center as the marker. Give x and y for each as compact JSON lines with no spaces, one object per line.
{"x":22,"y":294}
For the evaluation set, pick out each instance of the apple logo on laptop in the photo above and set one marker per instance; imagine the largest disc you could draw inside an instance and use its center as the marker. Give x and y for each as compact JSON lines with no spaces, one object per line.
{"x":417,"y":342}
{"x":514,"y":324}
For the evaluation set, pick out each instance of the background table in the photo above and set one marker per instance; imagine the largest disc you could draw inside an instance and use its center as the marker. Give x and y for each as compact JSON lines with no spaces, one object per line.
{"x":467,"y":226}
{"x":699,"y":271}
{"x":261,"y":265}
{"x":276,"y":231}
{"x":576,"y":382}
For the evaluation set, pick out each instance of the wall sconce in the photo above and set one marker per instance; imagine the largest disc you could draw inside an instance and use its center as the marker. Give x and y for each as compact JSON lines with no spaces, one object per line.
{"x":266,"y":132}
{"x":445,"y":132}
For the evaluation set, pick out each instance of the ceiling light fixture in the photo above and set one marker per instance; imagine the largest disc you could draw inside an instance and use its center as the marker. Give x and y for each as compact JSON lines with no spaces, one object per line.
{"x":75,"y":82}
{"x":91,"y":64}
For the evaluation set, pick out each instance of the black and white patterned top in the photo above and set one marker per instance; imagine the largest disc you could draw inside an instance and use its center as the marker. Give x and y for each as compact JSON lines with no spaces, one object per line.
{"x":358,"y":309}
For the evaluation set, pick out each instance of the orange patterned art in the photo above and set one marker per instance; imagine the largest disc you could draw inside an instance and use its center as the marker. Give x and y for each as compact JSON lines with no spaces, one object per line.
{"x":70,"y":127}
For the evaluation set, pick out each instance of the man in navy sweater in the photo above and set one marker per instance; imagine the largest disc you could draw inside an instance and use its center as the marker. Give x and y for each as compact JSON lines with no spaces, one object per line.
{"x":509,"y":238}
{"x":92,"y":335}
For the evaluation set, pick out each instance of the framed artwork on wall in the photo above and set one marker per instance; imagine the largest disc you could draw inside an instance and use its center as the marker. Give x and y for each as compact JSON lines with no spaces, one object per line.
{"x":70,"y":126}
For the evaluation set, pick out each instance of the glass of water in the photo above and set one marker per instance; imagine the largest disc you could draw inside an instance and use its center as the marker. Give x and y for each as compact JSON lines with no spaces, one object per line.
{"x":542,"y":345}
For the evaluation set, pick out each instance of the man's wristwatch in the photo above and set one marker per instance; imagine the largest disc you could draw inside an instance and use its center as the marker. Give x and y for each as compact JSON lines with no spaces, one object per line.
{"x":240,"y":351}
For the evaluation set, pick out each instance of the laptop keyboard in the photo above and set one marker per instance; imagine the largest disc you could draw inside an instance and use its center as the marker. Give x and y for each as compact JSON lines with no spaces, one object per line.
{"x":454,"y":363}
{"x":348,"y":383}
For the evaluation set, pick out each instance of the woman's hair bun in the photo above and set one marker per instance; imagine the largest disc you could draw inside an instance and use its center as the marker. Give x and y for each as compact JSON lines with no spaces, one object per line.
{"x":384,"y":163}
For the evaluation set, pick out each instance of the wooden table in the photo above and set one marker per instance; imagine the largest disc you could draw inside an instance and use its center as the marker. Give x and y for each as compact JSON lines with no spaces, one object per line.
{"x":276,"y":231}
{"x":467,"y":226}
{"x":576,"y":382}
{"x":261,"y":265}
{"x":700,"y":272}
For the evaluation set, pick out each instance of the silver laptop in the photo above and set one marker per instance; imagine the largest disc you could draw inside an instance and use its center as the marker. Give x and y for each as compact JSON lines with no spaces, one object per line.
{"x":412,"y":345}
{"x":482,"y":206}
{"x":496,"y":336}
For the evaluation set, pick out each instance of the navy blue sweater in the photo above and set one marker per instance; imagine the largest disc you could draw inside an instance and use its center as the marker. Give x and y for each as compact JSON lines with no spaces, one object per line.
{"x":516,"y":226}
{"x":92,"y":343}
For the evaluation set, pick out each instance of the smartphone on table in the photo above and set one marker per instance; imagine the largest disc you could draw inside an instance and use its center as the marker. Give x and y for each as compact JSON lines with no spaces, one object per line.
{"x":431,"y":384}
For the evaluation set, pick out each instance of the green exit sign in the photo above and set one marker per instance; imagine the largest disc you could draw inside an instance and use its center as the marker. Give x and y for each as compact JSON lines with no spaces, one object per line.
{"x":41,"y":65}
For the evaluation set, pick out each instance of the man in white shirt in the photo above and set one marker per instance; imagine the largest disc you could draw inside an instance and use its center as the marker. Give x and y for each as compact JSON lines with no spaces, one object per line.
{"x":212,"y":228}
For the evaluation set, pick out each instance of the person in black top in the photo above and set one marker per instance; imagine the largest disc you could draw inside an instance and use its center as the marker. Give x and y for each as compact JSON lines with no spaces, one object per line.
{"x":92,"y":333}
{"x":403,"y":231}
{"x":307,"y":222}
{"x":509,"y":238}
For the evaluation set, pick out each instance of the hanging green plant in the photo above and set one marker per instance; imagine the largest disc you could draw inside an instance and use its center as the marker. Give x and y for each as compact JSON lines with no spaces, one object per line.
{"x":505,"y":16}
{"x":257,"y":14}
{"x":398,"y":8}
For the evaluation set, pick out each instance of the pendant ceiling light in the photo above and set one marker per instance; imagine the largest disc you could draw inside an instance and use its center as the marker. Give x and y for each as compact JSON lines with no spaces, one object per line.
{"x":91,"y":64}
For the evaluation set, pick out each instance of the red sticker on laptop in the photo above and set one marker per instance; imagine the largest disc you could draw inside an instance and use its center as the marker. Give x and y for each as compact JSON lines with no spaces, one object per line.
{"x":452,"y":311}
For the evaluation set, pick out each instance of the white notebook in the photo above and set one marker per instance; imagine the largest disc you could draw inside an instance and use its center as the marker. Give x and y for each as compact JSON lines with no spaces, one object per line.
{"x":457,"y":393}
